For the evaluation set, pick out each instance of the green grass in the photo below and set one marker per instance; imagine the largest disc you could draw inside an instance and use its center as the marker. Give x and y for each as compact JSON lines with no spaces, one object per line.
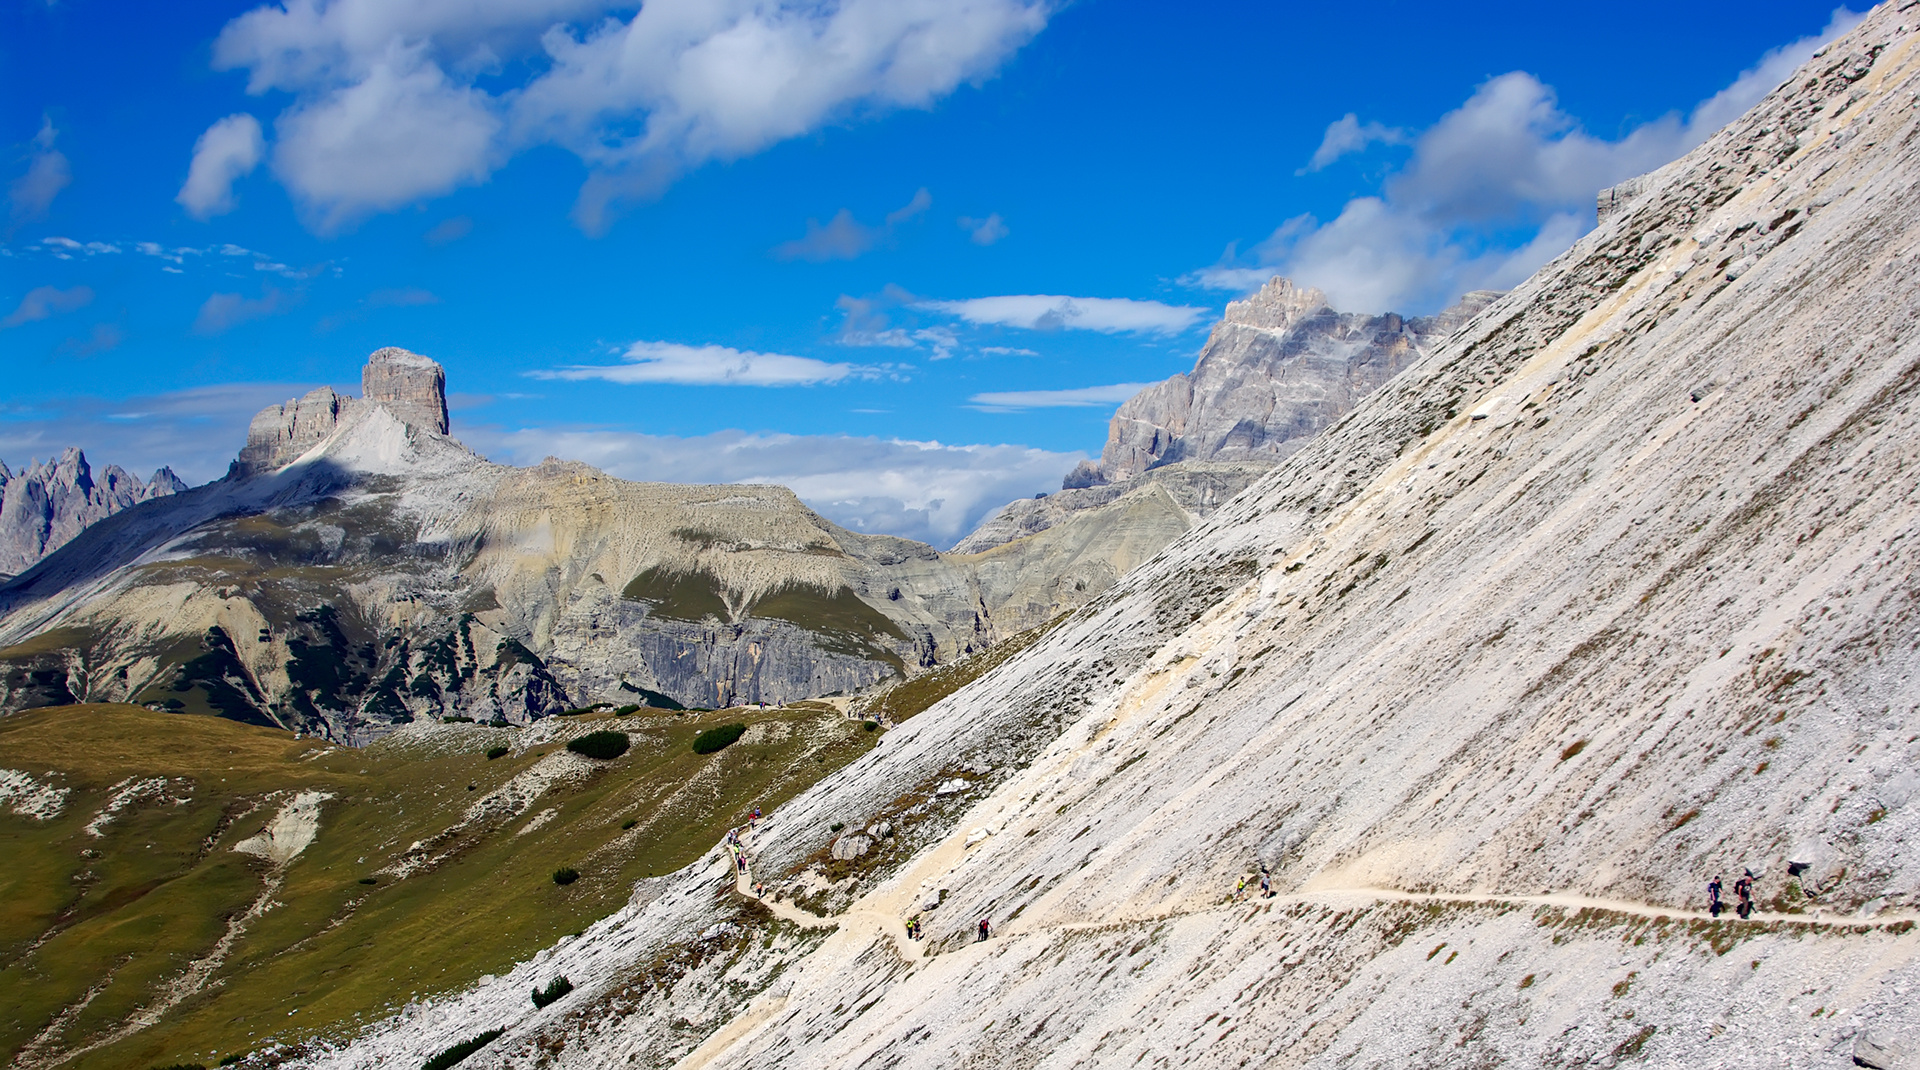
{"x":910,"y":697}
{"x":133,"y":907}
{"x":678,"y":595}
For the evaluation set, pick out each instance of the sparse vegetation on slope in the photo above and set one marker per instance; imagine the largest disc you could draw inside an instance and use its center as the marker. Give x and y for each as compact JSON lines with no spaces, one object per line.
{"x":126,"y":910}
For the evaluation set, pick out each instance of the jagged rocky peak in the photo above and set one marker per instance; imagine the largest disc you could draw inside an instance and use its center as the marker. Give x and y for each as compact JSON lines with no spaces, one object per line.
{"x":48,"y":503}
{"x":411,"y":387}
{"x":1280,"y":366}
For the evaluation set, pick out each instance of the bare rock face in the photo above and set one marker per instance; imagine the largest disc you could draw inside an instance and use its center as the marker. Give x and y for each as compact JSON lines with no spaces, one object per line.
{"x":411,"y":386}
{"x":1280,"y":366}
{"x":44,"y":506}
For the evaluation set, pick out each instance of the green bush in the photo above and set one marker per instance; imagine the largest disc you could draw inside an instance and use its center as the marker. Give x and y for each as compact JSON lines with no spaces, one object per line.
{"x":461,"y":1050}
{"x":496,"y":752}
{"x":714,"y":739}
{"x":234,"y":1058}
{"x":870,"y":725}
{"x":630,"y":708}
{"x":565,"y":875}
{"x":601,"y":745}
{"x":499,"y":722}
{"x":627,"y":824}
{"x":556,"y":988}
{"x":369,"y":880}
{"x":182,"y":1066}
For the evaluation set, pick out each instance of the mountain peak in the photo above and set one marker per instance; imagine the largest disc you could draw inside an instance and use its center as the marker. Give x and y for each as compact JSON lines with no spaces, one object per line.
{"x":411,"y":387}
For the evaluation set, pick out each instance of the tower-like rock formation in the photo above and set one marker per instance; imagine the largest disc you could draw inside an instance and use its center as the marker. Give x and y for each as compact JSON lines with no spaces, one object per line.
{"x":412,"y":387}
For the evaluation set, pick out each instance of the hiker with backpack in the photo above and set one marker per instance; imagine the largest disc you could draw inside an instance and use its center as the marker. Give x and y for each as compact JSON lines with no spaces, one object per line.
{"x":1714,"y":905}
{"x":1744,"y":889}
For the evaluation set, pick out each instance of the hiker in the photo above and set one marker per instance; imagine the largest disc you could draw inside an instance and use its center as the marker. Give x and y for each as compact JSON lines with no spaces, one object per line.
{"x":986,"y":928}
{"x":1713,"y":897}
{"x":1241,"y":888}
{"x":1744,"y":889}
{"x":1266,"y":883}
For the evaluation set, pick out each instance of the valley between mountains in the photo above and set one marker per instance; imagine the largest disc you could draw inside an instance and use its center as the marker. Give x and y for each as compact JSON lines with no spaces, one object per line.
{"x":1564,"y":605}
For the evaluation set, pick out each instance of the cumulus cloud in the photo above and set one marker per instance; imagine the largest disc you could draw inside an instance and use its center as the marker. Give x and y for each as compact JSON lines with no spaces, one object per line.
{"x":222,"y":312}
{"x":43,"y":302}
{"x":1075,"y":398}
{"x":389,"y":108}
{"x":709,"y":365}
{"x":1347,"y":135}
{"x":929,"y":491}
{"x":845,"y":237}
{"x":1044,"y":312}
{"x":228,"y":151}
{"x":984,"y":231}
{"x":30,"y":195}
{"x":1508,"y":161}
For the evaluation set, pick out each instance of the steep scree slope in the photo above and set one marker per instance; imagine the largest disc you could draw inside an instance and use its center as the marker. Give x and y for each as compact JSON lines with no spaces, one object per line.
{"x":1612,"y":593}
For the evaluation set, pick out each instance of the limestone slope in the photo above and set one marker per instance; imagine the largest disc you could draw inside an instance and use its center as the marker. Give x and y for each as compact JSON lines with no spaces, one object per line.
{"x":1613,"y":592}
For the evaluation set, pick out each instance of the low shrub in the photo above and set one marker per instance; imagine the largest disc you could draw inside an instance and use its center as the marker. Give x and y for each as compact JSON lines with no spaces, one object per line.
{"x":496,"y":752}
{"x":499,"y":722}
{"x":870,"y":725}
{"x":456,"y":720}
{"x":602,"y":745}
{"x":627,"y":710}
{"x":627,"y":824}
{"x":459,"y":1051}
{"x":719,"y":738}
{"x":182,"y":1066}
{"x":556,"y":988}
{"x":565,"y":875}
{"x":369,"y":880}
{"x":234,"y":1058}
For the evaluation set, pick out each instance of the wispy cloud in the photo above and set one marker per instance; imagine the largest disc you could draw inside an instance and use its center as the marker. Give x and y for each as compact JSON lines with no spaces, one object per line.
{"x":1347,"y":135}
{"x":1044,"y":312}
{"x":448,"y":231}
{"x":43,"y":302}
{"x":229,"y":150}
{"x":30,"y":195}
{"x":1509,"y":161}
{"x":1075,"y":398}
{"x":844,"y":237}
{"x":984,"y":231}
{"x":223,"y":312}
{"x":710,"y":365}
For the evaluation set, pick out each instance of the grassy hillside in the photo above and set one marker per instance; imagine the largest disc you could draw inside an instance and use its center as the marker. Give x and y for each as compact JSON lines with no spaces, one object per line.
{"x":432,"y":864}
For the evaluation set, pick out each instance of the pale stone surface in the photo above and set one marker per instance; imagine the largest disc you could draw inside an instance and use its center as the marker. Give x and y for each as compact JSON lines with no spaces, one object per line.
{"x":1492,"y":699}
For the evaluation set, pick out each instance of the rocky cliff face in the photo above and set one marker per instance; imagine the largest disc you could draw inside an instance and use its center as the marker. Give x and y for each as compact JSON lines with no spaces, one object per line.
{"x":47,"y":504}
{"x":411,"y":387}
{"x":1610,"y":593}
{"x":1280,"y":366}
{"x":359,"y":568}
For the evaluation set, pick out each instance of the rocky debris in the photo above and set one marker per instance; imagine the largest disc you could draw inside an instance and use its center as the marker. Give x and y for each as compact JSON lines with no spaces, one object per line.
{"x":1620,"y":634}
{"x":1877,"y":1051}
{"x":411,"y":386}
{"x":45,"y":505}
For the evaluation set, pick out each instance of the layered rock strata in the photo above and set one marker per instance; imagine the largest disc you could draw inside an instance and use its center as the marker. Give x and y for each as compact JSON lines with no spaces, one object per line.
{"x":411,"y":387}
{"x":1611,"y":593}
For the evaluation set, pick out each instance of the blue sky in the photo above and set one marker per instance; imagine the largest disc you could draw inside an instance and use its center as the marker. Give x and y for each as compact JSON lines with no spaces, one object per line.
{"x":902,"y":255}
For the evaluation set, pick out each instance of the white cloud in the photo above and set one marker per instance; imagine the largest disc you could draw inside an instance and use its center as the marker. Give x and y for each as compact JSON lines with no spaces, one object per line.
{"x":47,"y":174}
{"x":844,"y":237}
{"x":1046,"y":312}
{"x":709,"y":365}
{"x":222,"y":312}
{"x":939,"y":339}
{"x":1507,"y":161}
{"x":1347,"y":135}
{"x":387,"y":110}
{"x":229,"y":150}
{"x":43,"y":302}
{"x":1076,"y":398}
{"x":402,"y":133}
{"x":1007,"y":351}
{"x":921,"y":490}
{"x":984,"y":231}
